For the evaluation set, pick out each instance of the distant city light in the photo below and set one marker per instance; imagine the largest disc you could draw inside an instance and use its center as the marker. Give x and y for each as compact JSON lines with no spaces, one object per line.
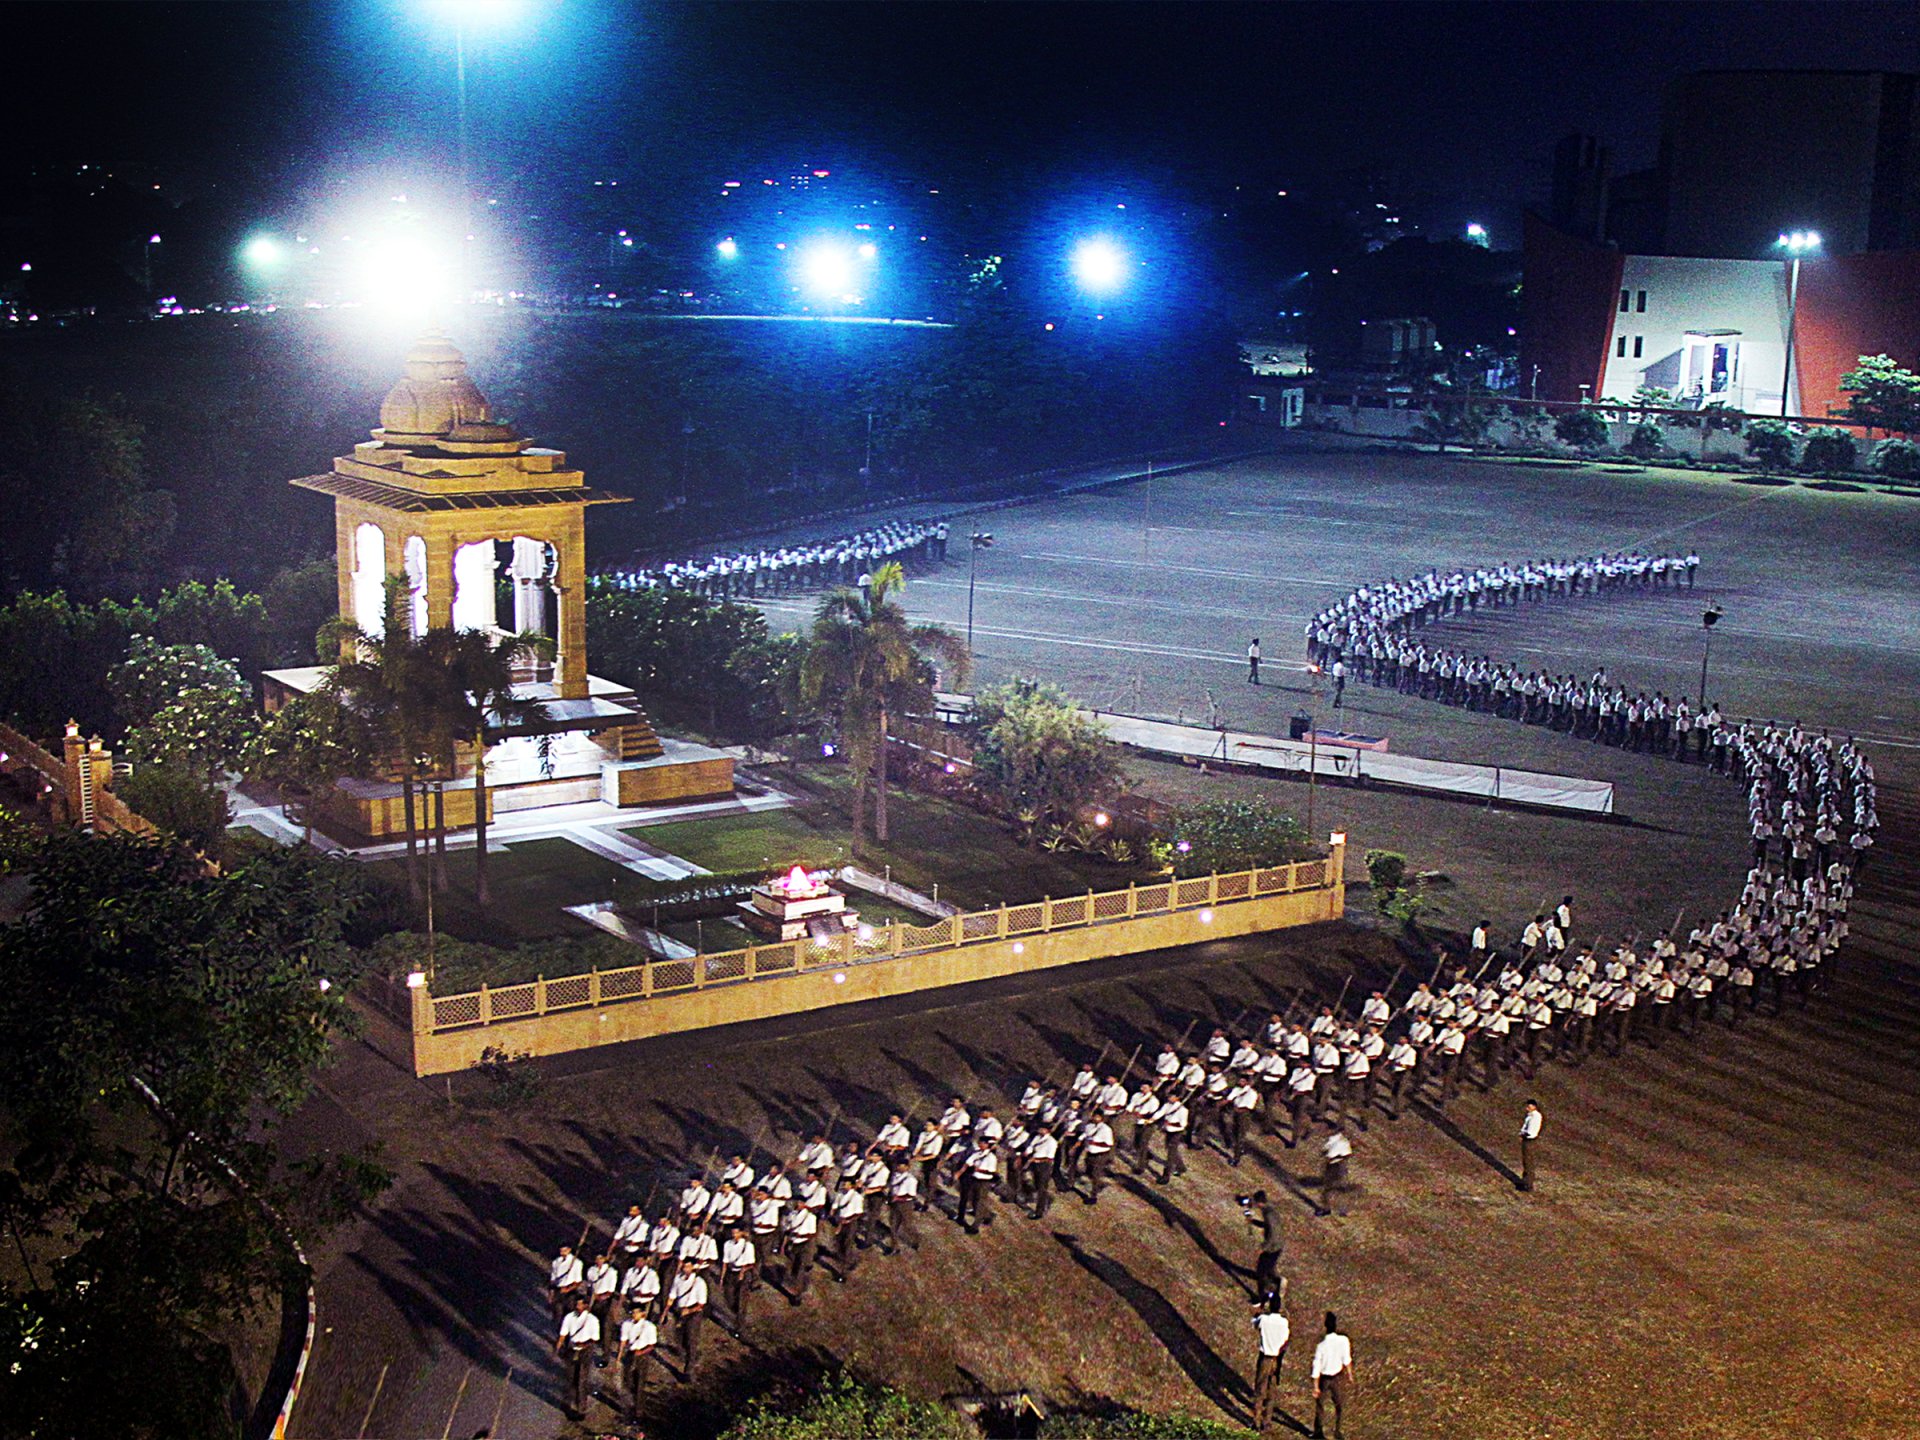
{"x":153,"y":239}
{"x":728,"y":248}
{"x":1477,"y":233}
{"x":1100,"y":266}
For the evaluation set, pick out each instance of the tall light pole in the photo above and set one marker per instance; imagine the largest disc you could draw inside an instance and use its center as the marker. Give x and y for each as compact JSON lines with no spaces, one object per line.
{"x":147,"y":267}
{"x":1800,"y":242}
{"x":1707,"y":621}
{"x":979,"y":540}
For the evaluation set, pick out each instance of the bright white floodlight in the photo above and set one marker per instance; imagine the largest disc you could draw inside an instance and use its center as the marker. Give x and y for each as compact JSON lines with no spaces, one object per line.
{"x":1100,"y":267}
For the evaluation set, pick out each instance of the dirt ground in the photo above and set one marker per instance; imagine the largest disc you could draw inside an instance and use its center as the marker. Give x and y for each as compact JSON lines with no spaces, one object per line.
{"x":1722,"y":1242}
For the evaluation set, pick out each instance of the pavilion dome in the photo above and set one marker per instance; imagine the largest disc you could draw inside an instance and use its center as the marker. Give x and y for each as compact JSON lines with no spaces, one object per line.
{"x":434,"y":395}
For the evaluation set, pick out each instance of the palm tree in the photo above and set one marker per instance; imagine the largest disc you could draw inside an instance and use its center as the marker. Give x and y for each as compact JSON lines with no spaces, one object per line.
{"x":865,"y":662}
{"x":475,"y":692}
{"x":384,"y":681}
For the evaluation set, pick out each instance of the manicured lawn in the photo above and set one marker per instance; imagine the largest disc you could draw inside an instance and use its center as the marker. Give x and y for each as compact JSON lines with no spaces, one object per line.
{"x":772,"y":840}
{"x":531,"y":883}
{"x":973,"y":860}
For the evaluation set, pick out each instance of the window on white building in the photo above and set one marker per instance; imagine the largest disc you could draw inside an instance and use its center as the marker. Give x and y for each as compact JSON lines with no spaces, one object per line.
{"x":1640,"y":302}
{"x":1626,"y":301}
{"x":1620,"y":347}
{"x":1639,"y":343}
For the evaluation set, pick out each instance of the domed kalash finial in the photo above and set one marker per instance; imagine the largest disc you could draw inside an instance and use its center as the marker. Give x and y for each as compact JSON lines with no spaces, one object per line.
{"x":435,"y":396}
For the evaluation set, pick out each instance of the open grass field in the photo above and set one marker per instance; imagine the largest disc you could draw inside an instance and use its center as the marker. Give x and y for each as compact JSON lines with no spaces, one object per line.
{"x":1722,"y":1243}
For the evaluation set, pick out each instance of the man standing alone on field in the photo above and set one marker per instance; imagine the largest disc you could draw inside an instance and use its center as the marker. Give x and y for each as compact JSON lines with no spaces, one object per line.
{"x":1273,"y":1332}
{"x":1529,"y":1132}
{"x":1332,"y":1374}
{"x":1253,"y":661}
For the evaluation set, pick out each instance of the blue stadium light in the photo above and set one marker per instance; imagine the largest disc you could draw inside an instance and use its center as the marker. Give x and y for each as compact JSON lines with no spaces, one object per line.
{"x":869,"y":250}
{"x":1100,"y":266}
{"x":263,"y":252}
{"x":728,"y":249}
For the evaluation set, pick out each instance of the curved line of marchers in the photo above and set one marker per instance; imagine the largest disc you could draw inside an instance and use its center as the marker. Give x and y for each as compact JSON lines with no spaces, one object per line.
{"x":1803,"y":790}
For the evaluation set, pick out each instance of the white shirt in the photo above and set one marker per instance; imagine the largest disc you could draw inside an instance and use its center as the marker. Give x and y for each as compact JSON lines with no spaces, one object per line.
{"x":580,"y":1327}
{"x":1530,"y":1126}
{"x":1274,"y":1333}
{"x":1331,"y":1356}
{"x":638,"y":1333}
{"x":564,"y":1271}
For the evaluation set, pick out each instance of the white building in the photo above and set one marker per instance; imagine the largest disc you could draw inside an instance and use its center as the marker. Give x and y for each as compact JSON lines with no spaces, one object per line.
{"x":1710,"y":331}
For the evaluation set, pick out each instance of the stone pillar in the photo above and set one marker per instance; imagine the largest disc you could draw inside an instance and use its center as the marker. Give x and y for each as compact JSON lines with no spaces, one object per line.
{"x":570,"y":587}
{"x":440,"y":547}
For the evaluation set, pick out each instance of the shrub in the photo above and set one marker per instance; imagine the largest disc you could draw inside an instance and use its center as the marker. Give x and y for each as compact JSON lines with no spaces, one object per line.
{"x":1387,"y":869}
{"x":1229,"y":835}
{"x":1770,"y":443}
{"x":1645,"y":442}
{"x":1137,"y":1425}
{"x":511,"y":1078}
{"x":1897,"y":459}
{"x":1829,"y":451}
{"x":844,"y":1409}
{"x":179,"y":802}
{"x":1582,"y":429}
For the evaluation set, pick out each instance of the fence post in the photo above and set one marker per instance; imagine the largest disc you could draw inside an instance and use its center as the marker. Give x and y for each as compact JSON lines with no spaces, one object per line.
{"x":895,"y":929}
{"x":753,"y":958}
{"x":1000,"y":929}
{"x":486,"y":1004}
{"x":700,"y":970}
{"x":593,"y":986}
{"x":646,"y":979}
{"x":539,"y":994}
{"x":1046,"y":912}
{"x":844,"y":940}
{"x":1133,"y":900}
{"x":1213,"y":887}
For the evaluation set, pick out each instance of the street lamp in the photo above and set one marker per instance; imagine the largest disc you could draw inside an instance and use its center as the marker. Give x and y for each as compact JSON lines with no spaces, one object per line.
{"x":981,"y":540}
{"x":1800,"y":242}
{"x":1708,"y":620}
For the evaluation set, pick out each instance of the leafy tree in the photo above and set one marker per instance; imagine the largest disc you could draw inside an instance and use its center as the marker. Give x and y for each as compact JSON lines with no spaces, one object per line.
{"x":1770,"y":443}
{"x":690,"y":659}
{"x":1897,"y":459}
{"x":1039,"y":753}
{"x":180,"y":802}
{"x":1137,"y":1425}
{"x":1583,"y":429}
{"x":865,"y":662}
{"x":1709,"y":420}
{"x":1829,"y":450}
{"x":1454,"y":415}
{"x":158,"y":1024}
{"x":1528,"y":423}
{"x":1647,"y":398}
{"x":184,"y":706}
{"x":475,"y":684}
{"x":308,"y":744}
{"x":300,"y":600}
{"x":387,"y":683}
{"x":1645,"y":442}
{"x":1386,"y":871}
{"x":1882,"y":395}
{"x":1228,"y":835}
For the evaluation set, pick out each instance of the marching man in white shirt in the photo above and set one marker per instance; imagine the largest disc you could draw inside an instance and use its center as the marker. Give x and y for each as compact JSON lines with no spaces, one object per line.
{"x":579,"y":1336}
{"x":1529,"y":1132}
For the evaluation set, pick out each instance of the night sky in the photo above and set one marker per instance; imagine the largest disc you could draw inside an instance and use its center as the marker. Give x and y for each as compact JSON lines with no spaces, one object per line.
{"x":1460,"y":103}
